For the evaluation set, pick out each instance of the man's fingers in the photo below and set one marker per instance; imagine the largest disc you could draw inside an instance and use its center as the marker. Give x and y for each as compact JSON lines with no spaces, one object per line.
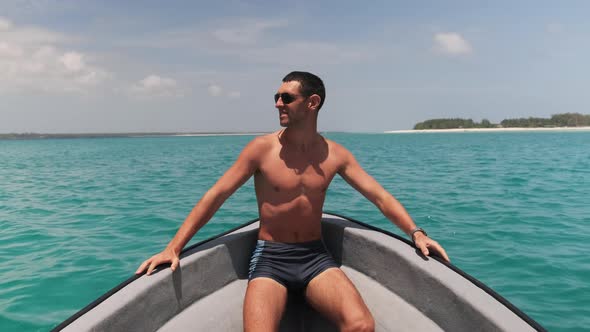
{"x":151,"y":268}
{"x":442,"y":252}
{"x":436,"y":247}
{"x":156,"y":260}
{"x":148,"y":264}
{"x":439,"y":249}
{"x":175,"y":263}
{"x":142,"y":267}
{"x":424,"y":250}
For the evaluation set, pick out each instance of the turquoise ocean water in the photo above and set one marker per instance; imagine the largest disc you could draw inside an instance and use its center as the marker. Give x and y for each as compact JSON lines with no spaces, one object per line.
{"x":77,"y":216}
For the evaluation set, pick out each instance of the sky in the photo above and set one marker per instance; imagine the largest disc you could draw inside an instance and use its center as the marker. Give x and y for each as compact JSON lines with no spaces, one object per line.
{"x":193,"y":66}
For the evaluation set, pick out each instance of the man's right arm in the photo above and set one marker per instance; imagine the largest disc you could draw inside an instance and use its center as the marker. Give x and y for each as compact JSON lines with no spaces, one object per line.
{"x":234,"y":177}
{"x":353,"y":173}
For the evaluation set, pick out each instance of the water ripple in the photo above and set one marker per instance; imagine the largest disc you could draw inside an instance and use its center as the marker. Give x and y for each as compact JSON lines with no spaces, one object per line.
{"x":77,"y":216}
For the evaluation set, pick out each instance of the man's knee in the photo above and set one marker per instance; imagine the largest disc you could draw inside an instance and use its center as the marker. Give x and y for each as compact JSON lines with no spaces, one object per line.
{"x":360,"y":323}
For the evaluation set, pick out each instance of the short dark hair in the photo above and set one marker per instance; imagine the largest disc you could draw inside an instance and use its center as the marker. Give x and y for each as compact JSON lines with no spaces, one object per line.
{"x":310,"y":84}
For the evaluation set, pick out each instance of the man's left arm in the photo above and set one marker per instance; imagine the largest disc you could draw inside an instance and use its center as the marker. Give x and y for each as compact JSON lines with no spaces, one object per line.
{"x":356,"y":176}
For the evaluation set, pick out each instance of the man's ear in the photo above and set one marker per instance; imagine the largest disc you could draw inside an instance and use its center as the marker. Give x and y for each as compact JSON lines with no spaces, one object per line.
{"x":314,"y":102}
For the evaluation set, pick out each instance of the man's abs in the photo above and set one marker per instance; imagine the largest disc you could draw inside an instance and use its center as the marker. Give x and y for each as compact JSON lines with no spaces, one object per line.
{"x":292,"y":222}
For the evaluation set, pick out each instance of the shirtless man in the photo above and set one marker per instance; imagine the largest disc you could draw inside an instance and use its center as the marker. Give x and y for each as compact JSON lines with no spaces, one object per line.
{"x":292,"y":169}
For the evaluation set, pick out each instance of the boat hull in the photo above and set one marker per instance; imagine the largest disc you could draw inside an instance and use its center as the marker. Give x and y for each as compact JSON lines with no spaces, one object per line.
{"x":403,"y":290}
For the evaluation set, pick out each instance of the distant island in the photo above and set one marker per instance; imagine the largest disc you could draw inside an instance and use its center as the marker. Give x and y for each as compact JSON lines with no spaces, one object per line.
{"x":556,"y":121}
{"x":24,"y":136}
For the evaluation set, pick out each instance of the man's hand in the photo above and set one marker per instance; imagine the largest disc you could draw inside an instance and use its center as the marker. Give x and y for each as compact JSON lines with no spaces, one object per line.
{"x":423,"y":242}
{"x":166,"y":256}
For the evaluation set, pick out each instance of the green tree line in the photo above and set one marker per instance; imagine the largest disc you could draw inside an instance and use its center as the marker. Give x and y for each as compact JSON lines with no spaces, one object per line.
{"x":453,"y":123}
{"x":556,"y":120}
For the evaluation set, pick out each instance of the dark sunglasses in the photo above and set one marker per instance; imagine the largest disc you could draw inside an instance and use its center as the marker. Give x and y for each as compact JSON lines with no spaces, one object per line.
{"x":285,"y":97}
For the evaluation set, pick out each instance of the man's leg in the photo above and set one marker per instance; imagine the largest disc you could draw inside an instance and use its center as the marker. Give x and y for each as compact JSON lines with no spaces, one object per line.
{"x":264,"y":305}
{"x":333,"y":294}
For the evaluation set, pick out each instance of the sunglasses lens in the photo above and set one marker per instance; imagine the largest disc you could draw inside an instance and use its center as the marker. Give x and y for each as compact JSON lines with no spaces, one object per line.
{"x":285,"y":97}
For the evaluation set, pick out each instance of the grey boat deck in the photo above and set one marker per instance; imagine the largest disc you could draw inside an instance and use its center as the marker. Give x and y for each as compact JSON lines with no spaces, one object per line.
{"x":404,"y":291}
{"x":389,"y":310}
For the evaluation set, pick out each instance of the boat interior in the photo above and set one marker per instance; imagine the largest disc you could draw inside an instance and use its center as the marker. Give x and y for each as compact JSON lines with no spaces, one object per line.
{"x":404,"y":290}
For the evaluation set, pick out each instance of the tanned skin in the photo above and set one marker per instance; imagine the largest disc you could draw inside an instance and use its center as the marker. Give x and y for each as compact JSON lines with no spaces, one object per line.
{"x":292,"y":170}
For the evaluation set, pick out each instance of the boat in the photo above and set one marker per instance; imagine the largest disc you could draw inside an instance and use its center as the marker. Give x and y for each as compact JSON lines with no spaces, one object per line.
{"x":404,"y":290}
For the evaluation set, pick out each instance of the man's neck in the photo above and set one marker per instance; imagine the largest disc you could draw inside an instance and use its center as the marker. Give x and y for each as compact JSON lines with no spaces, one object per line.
{"x":303,"y":139}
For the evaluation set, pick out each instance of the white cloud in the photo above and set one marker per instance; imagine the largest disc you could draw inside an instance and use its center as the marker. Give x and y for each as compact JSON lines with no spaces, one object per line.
{"x":246,"y":31}
{"x":304,"y":54}
{"x":255,"y":41}
{"x":73,"y":61}
{"x":90,"y":77}
{"x":31,"y":59}
{"x":210,"y":36}
{"x":30,"y":35}
{"x":157,"y":82}
{"x":5,"y":24}
{"x":451,"y":43}
{"x":154,"y":86}
{"x":214,"y":90}
{"x":10,"y":50}
{"x":45,"y":52}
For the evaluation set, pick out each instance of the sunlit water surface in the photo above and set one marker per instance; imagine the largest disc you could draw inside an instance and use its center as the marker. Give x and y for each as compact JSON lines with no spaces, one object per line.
{"x":77,"y":216}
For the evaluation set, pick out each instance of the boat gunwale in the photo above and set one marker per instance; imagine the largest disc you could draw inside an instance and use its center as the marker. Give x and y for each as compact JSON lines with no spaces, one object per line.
{"x":131,"y":279}
{"x":534,"y":324}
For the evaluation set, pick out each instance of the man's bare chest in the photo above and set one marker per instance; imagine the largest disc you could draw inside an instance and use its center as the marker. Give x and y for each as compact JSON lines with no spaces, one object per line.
{"x":301,"y":176}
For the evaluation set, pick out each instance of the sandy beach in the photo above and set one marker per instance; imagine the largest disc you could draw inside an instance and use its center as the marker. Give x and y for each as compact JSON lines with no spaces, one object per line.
{"x":472,"y":130}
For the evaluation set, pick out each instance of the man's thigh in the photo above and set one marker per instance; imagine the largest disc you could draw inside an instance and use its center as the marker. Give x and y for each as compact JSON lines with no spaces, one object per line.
{"x":264,"y":304}
{"x":334,"y":295}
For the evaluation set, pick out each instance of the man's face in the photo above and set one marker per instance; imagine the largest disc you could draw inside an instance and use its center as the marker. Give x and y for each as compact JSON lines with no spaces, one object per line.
{"x":295,"y":111}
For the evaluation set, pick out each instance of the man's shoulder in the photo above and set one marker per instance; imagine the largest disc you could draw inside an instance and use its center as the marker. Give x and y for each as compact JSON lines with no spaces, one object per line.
{"x":269,"y":136}
{"x":336,"y":148}
{"x":265,"y":139}
{"x":262,"y":142}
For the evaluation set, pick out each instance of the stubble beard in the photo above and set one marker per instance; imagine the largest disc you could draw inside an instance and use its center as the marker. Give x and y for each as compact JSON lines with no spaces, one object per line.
{"x":286,"y":122}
